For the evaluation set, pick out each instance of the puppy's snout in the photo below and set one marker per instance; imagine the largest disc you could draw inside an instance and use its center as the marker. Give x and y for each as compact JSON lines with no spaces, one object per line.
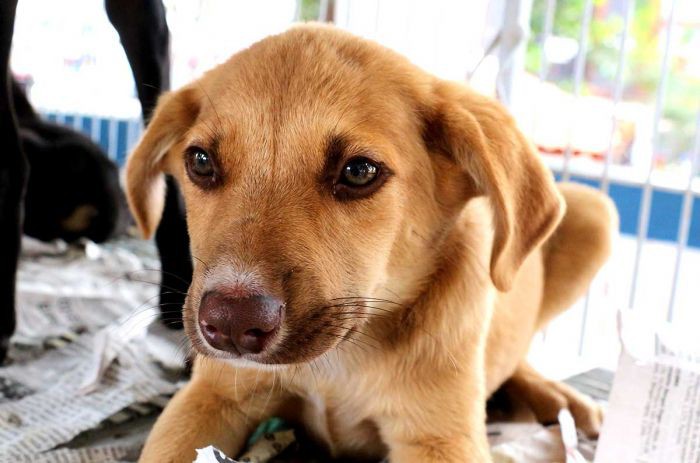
{"x":241,"y":325}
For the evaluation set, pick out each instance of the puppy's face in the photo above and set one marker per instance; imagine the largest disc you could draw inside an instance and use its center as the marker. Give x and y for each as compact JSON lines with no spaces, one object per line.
{"x":320,"y":175}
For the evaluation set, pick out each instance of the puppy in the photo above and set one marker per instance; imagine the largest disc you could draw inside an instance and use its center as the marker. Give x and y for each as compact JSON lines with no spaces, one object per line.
{"x":374,"y":249}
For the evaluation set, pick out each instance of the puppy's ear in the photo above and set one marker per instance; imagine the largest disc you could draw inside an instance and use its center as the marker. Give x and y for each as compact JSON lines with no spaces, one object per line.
{"x":477,"y":133}
{"x":145,"y":179}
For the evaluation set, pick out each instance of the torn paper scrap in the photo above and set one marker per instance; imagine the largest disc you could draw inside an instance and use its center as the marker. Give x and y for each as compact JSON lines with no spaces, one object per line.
{"x":263,"y":450}
{"x":654,"y":410}
{"x":212,"y":455}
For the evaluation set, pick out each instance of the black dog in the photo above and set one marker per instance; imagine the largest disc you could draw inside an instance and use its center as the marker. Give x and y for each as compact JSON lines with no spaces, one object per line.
{"x":73,"y":188}
{"x":144,"y":34}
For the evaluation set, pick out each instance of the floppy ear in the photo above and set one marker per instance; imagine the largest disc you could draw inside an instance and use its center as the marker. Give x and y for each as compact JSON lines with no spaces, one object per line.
{"x":145,"y":179}
{"x":483,"y":140}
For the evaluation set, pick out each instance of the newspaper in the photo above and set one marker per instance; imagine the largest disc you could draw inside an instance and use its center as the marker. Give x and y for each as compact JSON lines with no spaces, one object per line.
{"x":57,"y":410}
{"x":82,"y":360}
{"x":63,"y":289}
{"x":654,"y":411}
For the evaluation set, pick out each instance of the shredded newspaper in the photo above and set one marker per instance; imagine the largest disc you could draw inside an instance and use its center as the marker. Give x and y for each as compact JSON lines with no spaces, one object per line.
{"x":82,"y":358}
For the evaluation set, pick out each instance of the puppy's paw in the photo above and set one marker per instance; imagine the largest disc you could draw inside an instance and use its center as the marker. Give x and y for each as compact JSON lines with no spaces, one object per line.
{"x":545,"y":398}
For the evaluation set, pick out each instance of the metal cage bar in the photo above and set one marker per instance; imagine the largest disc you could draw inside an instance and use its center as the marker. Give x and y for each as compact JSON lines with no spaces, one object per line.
{"x":617,"y":92}
{"x":643,"y":225}
{"x":112,"y":129}
{"x":686,"y":214}
{"x":579,"y":68}
{"x":544,"y":60}
{"x":605,"y":177}
{"x":323,"y":11}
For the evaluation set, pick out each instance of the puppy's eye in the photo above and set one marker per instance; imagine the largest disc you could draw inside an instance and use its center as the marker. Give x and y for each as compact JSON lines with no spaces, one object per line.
{"x":359,"y":178}
{"x":200,"y":163}
{"x":200,"y":167}
{"x":359,"y":172}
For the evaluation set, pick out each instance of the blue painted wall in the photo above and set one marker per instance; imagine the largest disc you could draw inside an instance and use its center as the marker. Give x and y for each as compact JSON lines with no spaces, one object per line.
{"x":664,"y":217}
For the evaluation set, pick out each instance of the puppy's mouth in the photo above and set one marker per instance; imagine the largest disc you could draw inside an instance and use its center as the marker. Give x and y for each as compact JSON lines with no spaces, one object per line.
{"x":298,"y":338}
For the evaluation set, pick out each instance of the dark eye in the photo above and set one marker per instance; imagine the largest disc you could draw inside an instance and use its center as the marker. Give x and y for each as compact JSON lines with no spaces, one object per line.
{"x":200,"y":167}
{"x":359,"y":172}
{"x":201,"y":163}
{"x":359,"y":178}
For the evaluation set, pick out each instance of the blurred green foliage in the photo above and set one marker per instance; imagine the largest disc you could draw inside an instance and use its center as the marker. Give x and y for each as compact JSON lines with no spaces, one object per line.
{"x":310,"y":10}
{"x":643,"y":66}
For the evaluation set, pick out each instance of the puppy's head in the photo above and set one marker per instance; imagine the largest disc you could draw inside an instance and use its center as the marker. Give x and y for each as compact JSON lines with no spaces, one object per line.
{"x":321,"y":173}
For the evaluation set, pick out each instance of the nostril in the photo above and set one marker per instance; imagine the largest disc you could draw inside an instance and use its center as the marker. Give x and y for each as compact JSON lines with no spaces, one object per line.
{"x":210,"y":329}
{"x":256,"y":332}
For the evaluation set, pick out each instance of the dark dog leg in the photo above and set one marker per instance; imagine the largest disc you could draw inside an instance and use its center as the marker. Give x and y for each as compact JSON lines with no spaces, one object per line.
{"x":173,"y":244}
{"x":13,"y":180}
{"x":144,"y":35}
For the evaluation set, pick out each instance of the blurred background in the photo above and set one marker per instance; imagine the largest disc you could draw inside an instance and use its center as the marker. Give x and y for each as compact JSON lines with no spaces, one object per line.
{"x":609,"y":91}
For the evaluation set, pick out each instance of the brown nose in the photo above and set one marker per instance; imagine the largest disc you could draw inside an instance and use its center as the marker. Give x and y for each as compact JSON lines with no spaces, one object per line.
{"x":241,"y":325}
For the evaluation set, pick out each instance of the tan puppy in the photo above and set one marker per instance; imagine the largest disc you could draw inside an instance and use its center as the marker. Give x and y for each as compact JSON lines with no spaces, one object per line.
{"x":374,"y":249}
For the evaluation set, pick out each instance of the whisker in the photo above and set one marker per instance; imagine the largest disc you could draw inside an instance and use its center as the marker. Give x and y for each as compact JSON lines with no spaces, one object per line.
{"x":206,"y":267}
{"x":351,"y":340}
{"x":169,"y":288}
{"x":369,"y":299}
{"x":160,"y":271}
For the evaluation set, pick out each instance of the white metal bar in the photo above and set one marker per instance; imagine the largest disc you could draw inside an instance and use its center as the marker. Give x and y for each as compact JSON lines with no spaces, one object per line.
{"x":686,"y":216}
{"x":78,"y":123}
{"x":323,"y":11}
{"x":297,"y":11}
{"x":95,"y":129}
{"x":579,"y":68}
{"x":112,"y":139}
{"x":512,"y":47}
{"x":605,"y":179}
{"x":643,"y":225}
{"x":617,"y":92}
{"x":544,"y":62}
{"x":546,"y":33}
{"x":135,"y":133}
{"x":348,"y":9}
{"x":128,"y":136}
{"x":584,"y":322}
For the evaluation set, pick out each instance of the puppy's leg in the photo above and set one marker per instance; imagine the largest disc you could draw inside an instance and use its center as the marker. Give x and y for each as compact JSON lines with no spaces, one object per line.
{"x":545,"y":398}
{"x":220,"y":406}
{"x":13,"y":180}
{"x":439,"y":420}
{"x":576,"y":251}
